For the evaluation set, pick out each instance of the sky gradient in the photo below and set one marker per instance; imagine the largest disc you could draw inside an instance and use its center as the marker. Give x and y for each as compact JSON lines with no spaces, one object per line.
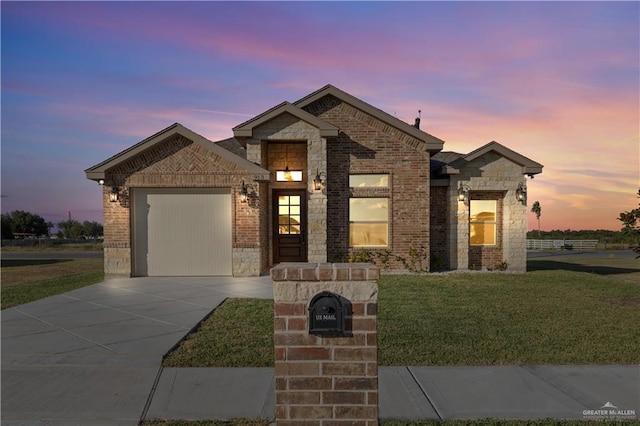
{"x":558,"y":82}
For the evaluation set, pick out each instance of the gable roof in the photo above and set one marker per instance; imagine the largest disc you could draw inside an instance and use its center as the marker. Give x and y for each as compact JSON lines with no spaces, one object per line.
{"x":431,"y":142}
{"x":97,"y":172}
{"x":452,"y":162}
{"x":246,"y":129}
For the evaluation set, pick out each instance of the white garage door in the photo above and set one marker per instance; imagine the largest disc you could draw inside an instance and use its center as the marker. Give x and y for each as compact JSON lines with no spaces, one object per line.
{"x":182,"y":232}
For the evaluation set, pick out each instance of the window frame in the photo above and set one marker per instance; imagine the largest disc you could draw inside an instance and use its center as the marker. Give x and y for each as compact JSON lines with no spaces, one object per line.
{"x":385,"y":222}
{"x":484,"y":222}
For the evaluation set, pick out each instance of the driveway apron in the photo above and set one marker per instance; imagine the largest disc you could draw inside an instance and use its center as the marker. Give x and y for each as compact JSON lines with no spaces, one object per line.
{"x":92,"y":356}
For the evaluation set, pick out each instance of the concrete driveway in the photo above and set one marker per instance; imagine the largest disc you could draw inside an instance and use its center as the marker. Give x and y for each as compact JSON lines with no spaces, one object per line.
{"x":92,"y":356}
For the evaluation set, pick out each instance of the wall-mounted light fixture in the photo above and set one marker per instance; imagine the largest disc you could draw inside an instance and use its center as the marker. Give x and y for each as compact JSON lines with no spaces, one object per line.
{"x":463,"y":193}
{"x":521,"y":193}
{"x":113,"y":195}
{"x":317,"y":181}
{"x":244,"y":193}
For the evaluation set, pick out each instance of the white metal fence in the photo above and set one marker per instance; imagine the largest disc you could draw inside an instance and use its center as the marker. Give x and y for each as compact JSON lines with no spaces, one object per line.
{"x":562,"y":244}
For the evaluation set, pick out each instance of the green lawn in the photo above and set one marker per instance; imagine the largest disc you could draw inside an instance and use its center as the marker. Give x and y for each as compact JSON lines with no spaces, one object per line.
{"x":542,"y":317}
{"x":26,"y":280}
{"x":53,"y":246}
{"x":238,"y":334}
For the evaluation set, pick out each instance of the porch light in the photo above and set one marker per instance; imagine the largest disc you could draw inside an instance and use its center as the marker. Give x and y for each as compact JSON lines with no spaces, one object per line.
{"x":521,"y":193}
{"x":463,"y":193}
{"x":287,"y":174}
{"x":101,"y":182}
{"x":113,"y":195}
{"x":244,"y":193}
{"x":317,"y":181}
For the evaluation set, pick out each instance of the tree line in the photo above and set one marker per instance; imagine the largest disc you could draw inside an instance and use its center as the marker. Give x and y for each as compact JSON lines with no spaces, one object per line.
{"x":629,"y":234}
{"x":21,"y":224}
{"x":602,"y":235}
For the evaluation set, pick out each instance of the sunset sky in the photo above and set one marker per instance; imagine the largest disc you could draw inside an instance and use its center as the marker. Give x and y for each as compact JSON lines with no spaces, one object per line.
{"x":558,"y":82}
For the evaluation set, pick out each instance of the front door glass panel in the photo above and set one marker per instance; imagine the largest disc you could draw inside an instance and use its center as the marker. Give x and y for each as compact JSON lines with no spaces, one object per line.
{"x":289,"y":209}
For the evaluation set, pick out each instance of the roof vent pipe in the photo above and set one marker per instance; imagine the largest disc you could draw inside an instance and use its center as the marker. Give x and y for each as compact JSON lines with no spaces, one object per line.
{"x":417,"y":123}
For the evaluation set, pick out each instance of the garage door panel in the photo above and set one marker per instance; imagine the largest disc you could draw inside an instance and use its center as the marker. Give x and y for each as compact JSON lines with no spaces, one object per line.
{"x":187,"y":233}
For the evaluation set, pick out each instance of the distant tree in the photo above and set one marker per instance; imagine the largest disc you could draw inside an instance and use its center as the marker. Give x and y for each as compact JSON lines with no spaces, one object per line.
{"x":631,"y":221}
{"x":71,"y":228}
{"x":7,"y":232}
{"x":92,"y":229}
{"x":21,"y":222}
{"x":537,"y":210}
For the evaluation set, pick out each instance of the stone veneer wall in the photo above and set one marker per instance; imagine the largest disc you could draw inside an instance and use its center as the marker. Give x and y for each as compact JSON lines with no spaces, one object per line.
{"x":325,"y":380}
{"x":268,"y":147}
{"x":494,"y":176}
{"x":179,"y":163}
{"x":489,"y":256}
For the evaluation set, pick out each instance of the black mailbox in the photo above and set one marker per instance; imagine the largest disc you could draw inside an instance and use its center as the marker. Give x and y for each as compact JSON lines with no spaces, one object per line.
{"x":326,"y":315}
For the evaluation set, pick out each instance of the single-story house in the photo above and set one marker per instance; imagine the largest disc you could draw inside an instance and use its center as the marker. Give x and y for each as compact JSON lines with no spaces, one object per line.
{"x":322,"y":179}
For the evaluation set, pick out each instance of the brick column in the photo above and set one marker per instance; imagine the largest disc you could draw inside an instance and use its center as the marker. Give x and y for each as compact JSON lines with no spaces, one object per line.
{"x":325,"y":380}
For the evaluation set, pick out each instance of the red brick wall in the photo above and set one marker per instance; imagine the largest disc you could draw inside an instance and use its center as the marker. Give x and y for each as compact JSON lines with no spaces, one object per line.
{"x":439,"y":212}
{"x":325,"y":380}
{"x":367,"y":145}
{"x":117,"y":232}
{"x":179,"y":163}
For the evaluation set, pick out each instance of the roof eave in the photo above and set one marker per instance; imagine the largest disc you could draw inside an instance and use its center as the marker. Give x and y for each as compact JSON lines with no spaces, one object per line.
{"x":529,"y":167}
{"x":98,"y":171}
{"x":246,"y":129}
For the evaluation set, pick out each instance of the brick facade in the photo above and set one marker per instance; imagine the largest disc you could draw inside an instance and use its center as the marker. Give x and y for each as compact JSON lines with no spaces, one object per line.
{"x":367,"y":145}
{"x":179,"y":163}
{"x":439,"y":255}
{"x":335,"y":135}
{"x":325,"y":380}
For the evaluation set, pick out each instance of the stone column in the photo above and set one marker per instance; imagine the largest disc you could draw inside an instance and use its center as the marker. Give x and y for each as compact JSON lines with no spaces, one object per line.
{"x":325,"y":380}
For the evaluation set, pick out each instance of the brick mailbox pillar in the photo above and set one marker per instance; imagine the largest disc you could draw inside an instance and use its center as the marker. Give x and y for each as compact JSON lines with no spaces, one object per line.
{"x":324,"y":376}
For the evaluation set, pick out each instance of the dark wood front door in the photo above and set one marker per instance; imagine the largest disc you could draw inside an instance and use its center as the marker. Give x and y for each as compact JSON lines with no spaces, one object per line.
{"x":289,"y":226}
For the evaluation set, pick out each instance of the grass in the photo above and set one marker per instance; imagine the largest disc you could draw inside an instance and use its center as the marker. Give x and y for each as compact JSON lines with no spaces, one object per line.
{"x":48,"y":246}
{"x":541,"y":317}
{"x":238,"y":334}
{"x":26,"y":280}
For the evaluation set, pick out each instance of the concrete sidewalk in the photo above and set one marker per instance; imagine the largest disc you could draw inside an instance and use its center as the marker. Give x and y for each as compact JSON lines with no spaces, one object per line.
{"x":415,"y":393}
{"x":93,"y":356}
